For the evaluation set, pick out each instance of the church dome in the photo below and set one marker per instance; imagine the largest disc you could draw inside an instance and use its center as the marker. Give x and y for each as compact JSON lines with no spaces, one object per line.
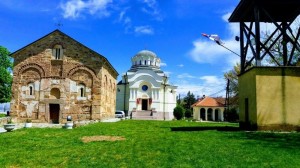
{"x":145,"y":58}
{"x":146,"y":53}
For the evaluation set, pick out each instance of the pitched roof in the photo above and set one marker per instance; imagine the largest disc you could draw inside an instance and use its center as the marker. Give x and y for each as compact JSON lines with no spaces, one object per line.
{"x":209,"y":102}
{"x":61,"y":33}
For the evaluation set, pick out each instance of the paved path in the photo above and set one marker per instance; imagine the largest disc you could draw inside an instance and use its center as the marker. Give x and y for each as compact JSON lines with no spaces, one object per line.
{"x":46,"y":125}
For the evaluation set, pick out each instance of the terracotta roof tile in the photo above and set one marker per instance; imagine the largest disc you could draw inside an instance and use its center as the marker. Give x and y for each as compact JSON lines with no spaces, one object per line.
{"x":209,"y":102}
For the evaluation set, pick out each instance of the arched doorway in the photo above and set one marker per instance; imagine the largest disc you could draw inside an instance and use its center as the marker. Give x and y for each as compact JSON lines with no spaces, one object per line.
{"x":54,"y":109}
{"x":202,"y":113}
{"x":209,"y":114}
{"x":217,"y":115}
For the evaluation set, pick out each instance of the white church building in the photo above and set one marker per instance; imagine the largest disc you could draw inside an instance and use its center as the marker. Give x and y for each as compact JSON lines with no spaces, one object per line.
{"x":144,"y":91}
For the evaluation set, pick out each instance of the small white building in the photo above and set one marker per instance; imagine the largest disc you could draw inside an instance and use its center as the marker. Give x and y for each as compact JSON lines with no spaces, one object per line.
{"x":144,"y":91}
{"x":209,"y":109}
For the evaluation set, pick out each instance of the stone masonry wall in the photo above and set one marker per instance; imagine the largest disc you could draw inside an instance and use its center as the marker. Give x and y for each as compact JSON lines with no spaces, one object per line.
{"x":46,"y":89}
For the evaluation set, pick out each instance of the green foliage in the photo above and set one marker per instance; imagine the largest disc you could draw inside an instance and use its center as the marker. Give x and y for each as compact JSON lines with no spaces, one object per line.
{"x":5,"y":76}
{"x":188,"y":113}
{"x":232,"y":75}
{"x":2,"y":115}
{"x":150,"y":144}
{"x":178,"y":112}
{"x":231,"y":115}
{"x":189,"y":100}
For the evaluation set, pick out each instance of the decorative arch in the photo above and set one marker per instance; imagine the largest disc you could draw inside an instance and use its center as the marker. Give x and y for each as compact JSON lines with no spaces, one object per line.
{"x":84,"y":68}
{"x":33,"y":66}
{"x":55,"y":93}
{"x":58,"y":43}
{"x":81,"y":67}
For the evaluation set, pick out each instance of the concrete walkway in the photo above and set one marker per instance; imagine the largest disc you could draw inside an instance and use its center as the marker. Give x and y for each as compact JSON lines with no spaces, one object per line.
{"x":47,"y":125}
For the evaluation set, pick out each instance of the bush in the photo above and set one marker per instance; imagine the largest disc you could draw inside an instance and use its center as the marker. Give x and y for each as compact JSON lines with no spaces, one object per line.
{"x":188,"y":113}
{"x":178,"y":112}
{"x":231,"y":115}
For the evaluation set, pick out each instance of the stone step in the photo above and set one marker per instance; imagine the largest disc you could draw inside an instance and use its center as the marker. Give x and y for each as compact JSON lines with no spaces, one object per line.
{"x":143,"y":118}
{"x":143,"y":113}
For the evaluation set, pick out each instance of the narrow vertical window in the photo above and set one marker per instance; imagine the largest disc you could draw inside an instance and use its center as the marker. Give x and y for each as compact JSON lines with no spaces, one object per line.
{"x":57,"y":52}
{"x":81,"y":92}
{"x":30,"y":90}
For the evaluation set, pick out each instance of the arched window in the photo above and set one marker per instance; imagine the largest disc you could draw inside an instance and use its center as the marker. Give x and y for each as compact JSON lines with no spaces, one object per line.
{"x":81,"y":90}
{"x":145,"y":62}
{"x":30,"y":89}
{"x":57,"y":52}
{"x":140,"y":62}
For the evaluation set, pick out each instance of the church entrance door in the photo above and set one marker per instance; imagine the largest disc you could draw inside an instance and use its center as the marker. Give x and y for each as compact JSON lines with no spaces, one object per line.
{"x":144,"y":104}
{"x":54,"y":113}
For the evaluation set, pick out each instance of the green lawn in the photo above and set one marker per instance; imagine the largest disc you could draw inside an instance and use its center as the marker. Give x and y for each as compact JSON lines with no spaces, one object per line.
{"x":150,"y":144}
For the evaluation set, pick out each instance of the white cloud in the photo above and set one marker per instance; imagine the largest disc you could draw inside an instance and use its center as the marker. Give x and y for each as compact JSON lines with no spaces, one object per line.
{"x":168,"y":73}
{"x":209,"y":86}
{"x":211,"y":80}
{"x":163,"y":64}
{"x":152,"y":9}
{"x":207,"y":51}
{"x":180,"y":65}
{"x":144,"y":30}
{"x":185,"y":76}
{"x":76,"y":8}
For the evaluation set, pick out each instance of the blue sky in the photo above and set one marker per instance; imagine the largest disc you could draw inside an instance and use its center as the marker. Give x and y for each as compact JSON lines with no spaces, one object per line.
{"x":118,"y":29}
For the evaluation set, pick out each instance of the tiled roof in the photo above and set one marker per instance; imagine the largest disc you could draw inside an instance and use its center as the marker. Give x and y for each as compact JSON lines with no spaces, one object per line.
{"x":210,"y":102}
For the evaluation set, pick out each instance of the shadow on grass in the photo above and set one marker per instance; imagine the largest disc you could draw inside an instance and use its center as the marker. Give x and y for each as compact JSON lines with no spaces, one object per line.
{"x":269,"y":139}
{"x":198,"y":128}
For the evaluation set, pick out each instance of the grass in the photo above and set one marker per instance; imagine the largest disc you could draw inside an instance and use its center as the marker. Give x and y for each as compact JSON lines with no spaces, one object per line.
{"x":150,"y":144}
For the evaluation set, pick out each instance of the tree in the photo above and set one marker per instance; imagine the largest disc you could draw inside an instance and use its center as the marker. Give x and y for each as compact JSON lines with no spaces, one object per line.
{"x":232,"y":76}
{"x":5,"y":75}
{"x":178,"y":112}
{"x":189,"y":100}
{"x":188,"y":113}
{"x":279,"y":43}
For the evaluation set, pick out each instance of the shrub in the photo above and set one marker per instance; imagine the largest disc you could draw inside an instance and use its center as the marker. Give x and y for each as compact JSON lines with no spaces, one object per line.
{"x":178,"y":112}
{"x":188,"y":113}
{"x":231,"y":115}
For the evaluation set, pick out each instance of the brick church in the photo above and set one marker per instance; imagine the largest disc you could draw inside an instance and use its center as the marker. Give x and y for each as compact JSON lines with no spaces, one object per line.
{"x":56,"y":76}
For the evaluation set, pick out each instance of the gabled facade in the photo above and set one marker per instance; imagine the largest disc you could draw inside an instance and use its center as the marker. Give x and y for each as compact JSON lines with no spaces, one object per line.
{"x":56,"y":76}
{"x":209,"y":109}
{"x":144,"y":89}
